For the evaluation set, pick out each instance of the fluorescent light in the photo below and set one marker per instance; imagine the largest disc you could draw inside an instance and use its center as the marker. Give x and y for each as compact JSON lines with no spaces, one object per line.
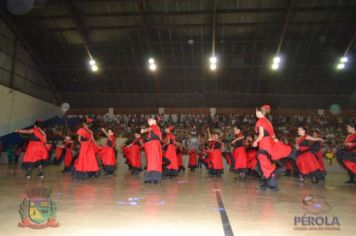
{"x":213,"y":66}
{"x":151,"y":61}
{"x":343,"y":59}
{"x":275,"y":66}
{"x":340,"y":66}
{"x":152,"y":67}
{"x":92,"y":62}
{"x":276,"y":60}
{"x":94,"y":68}
{"x":213,"y":60}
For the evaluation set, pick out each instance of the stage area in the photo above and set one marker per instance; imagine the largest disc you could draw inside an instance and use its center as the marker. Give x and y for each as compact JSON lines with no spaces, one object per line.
{"x":190,"y":204}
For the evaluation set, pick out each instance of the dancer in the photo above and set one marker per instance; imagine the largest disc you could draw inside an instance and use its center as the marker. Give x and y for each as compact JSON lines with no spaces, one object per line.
{"x":239,"y":154}
{"x":132,"y":152}
{"x":170,"y":168}
{"x":65,"y":153}
{"x":68,"y":156}
{"x":153,"y":150}
{"x":307,"y":163}
{"x":179,"y":151}
{"x":347,"y":155}
{"x":107,"y":153}
{"x":126,"y":153}
{"x":192,"y":161}
{"x":215,"y":154}
{"x":316,"y":149}
{"x":206,"y":161}
{"x":36,"y":151}
{"x":86,"y":165}
{"x":193,"y":145}
{"x":270,"y":150}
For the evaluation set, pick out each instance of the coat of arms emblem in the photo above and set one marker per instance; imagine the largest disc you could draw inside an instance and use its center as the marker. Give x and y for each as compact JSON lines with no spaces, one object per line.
{"x":38,"y":211}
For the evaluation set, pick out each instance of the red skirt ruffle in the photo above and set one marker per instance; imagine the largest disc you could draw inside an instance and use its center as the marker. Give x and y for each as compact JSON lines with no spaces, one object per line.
{"x":107,"y":156}
{"x":64,"y":154}
{"x":216,"y":159}
{"x":180,"y":159}
{"x":86,"y":161}
{"x":133,"y":155}
{"x":239,"y":155}
{"x":320,"y":158}
{"x":96,"y":148}
{"x":192,"y":159}
{"x":347,"y":159}
{"x":307,"y":163}
{"x":59,"y":152}
{"x":36,"y":151}
{"x":251,"y":159}
{"x":153,"y":151}
{"x":171,"y":155}
{"x":68,"y":158}
{"x":280,"y":150}
{"x":277,"y":150}
{"x":351,"y":166}
{"x":266,"y":165}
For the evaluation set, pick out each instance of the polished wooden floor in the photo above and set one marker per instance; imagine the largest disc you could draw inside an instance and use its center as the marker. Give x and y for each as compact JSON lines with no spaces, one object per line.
{"x":186,"y":205}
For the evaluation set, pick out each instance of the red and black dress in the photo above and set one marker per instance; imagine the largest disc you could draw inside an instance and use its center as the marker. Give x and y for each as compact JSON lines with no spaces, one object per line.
{"x":318,"y":153}
{"x":179,"y":151}
{"x":251,"y":158}
{"x":192,"y":162}
{"x":132,"y":153}
{"x":36,"y":151}
{"x":170,"y":160}
{"x":107,"y":155}
{"x":215,"y":156}
{"x":64,"y":154}
{"x":307,"y":163}
{"x":207,"y":160}
{"x":347,"y":156}
{"x":239,"y":156}
{"x":68,"y":156}
{"x":127,"y":154}
{"x":153,"y":151}
{"x":86,"y":165}
{"x":270,"y":152}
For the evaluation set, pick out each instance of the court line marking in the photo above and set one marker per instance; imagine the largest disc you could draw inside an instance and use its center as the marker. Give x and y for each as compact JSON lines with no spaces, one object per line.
{"x":224,"y":218}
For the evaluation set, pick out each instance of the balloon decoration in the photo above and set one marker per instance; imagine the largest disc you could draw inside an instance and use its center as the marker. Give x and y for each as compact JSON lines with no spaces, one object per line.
{"x":65,"y":107}
{"x":335,"y":109}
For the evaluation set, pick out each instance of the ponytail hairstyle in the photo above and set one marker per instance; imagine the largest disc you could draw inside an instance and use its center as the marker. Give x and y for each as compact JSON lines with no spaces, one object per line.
{"x":38,"y":123}
{"x":265,"y":109}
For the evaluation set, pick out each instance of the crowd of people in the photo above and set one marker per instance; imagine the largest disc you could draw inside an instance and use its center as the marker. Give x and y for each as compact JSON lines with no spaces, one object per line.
{"x":249,"y":144}
{"x":331,"y":128}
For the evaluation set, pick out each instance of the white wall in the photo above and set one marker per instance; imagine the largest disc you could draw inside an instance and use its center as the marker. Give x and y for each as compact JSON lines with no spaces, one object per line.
{"x":18,"y":110}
